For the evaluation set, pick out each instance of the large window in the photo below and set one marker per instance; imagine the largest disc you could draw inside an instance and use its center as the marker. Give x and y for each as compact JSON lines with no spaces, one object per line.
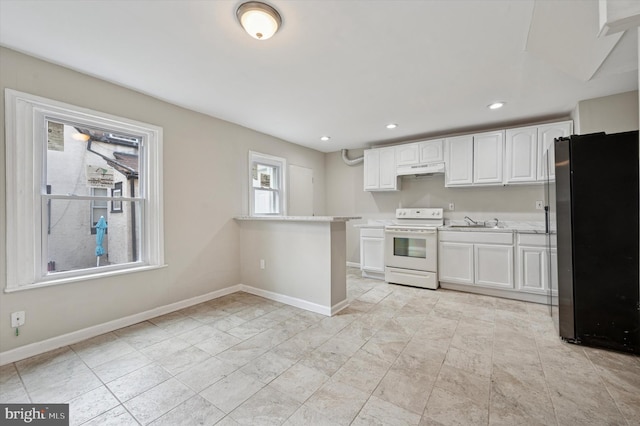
{"x":267,"y":189}
{"x":69,"y":216}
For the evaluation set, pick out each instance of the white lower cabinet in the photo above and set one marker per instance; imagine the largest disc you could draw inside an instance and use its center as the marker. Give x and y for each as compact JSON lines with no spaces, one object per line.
{"x":476,"y":258}
{"x":534,"y":265}
{"x":505,"y":264}
{"x":532,"y":269}
{"x":372,"y":252}
{"x":494,"y":265}
{"x":456,"y":262}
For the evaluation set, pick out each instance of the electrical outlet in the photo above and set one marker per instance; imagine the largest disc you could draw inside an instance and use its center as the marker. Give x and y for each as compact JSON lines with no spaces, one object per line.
{"x":17,"y":319}
{"x":262,"y":264}
{"x":539,"y":205}
{"x":452,"y":207}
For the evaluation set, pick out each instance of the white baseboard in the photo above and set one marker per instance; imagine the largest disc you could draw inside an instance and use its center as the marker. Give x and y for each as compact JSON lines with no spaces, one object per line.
{"x":374,"y":275}
{"x":339,"y":306}
{"x":38,"y":348}
{"x":506,"y":294}
{"x":294,"y":301}
{"x":43,"y":346}
{"x":353,"y":265}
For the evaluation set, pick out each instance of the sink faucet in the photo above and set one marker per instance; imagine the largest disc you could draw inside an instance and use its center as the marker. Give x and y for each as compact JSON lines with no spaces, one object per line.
{"x":497,"y":221}
{"x":470,"y":221}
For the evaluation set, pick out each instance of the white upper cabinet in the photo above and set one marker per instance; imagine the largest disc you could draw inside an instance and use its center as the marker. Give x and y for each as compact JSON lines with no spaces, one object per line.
{"x":546,"y":135}
{"x":474,"y":159}
{"x":380,"y":169}
{"x":459,"y":161}
{"x":371,"y":169}
{"x":514,"y":156}
{"x":488,"y":157}
{"x":407,"y":155}
{"x":525,"y":151}
{"x":388,"y":176}
{"x":420,"y":153}
{"x":521,"y":155}
{"x":431,"y":151}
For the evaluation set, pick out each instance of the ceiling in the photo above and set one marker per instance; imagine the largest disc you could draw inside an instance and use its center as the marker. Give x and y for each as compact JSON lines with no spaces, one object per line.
{"x":340,"y":68}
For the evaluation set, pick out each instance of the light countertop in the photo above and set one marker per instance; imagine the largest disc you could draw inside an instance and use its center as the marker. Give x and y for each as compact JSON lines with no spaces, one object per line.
{"x":375,"y":224}
{"x":300,"y":218}
{"x":505,"y":226}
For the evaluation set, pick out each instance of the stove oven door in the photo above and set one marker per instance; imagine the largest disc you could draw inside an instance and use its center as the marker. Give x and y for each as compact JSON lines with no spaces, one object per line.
{"x":409,"y":248}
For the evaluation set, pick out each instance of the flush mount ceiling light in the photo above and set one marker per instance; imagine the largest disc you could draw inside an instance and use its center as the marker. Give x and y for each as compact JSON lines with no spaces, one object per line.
{"x":258,"y":19}
{"x":80,"y":137}
{"x":325,"y":138}
{"x":496,"y":105}
{"x":392,"y":126}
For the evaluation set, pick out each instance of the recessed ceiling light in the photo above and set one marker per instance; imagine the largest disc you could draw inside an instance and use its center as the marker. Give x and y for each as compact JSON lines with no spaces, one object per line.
{"x":325,"y":138}
{"x":496,"y":105}
{"x":392,"y":126}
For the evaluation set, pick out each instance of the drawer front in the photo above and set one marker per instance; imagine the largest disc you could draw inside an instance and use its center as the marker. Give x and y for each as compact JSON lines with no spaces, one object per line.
{"x":413,"y":278}
{"x":372,"y":232}
{"x":536,"y":240}
{"x":477,"y":237}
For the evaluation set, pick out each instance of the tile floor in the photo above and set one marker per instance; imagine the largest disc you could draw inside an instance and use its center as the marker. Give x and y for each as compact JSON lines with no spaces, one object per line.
{"x":396,"y":356}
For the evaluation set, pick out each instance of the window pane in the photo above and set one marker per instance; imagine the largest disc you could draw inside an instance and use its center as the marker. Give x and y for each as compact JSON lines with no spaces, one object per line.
{"x":266,"y":202}
{"x":72,"y":245}
{"x":265,"y":176}
{"x":116,"y":206}
{"x":81,"y":158}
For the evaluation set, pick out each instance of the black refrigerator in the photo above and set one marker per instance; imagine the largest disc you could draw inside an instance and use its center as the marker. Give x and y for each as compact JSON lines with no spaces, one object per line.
{"x":596,"y":217}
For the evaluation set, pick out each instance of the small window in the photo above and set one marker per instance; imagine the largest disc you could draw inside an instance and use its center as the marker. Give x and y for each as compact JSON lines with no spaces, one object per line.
{"x":65,"y":171}
{"x":267,"y":189}
{"x":116,"y":192}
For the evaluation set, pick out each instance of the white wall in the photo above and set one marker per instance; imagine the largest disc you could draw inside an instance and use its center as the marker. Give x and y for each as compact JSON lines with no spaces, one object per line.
{"x":346,"y":197}
{"x":205,"y":173}
{"x":610,"y":114}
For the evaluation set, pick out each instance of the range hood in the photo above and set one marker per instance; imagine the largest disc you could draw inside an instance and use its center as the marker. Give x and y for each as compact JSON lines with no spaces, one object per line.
{"x":420,"y":169}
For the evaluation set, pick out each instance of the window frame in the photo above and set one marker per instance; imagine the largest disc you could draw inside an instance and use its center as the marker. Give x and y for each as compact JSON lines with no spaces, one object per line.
{"x":116,"y":192}
{"x":273,"y":161}
{"x":25,"y":123}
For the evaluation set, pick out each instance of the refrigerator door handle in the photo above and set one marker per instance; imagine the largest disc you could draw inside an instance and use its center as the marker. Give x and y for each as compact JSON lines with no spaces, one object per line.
{"x":546,"y":219}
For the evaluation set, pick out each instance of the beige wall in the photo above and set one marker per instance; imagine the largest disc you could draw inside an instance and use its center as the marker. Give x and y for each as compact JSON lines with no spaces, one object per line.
{"x":610,"y":114}
{"x":346,"y":197}
{"x":205,"y":173}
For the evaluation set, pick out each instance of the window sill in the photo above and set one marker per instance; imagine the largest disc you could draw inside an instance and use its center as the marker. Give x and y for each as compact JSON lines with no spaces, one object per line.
{"x":75,"y":279}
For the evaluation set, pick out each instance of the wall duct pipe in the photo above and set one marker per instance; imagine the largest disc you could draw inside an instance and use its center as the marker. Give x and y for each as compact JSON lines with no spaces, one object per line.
{"x":353,"y":162}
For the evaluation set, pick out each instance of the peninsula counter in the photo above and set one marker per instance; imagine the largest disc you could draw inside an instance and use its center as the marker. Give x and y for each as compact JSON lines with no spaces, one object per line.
{"x":297,"y":260}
